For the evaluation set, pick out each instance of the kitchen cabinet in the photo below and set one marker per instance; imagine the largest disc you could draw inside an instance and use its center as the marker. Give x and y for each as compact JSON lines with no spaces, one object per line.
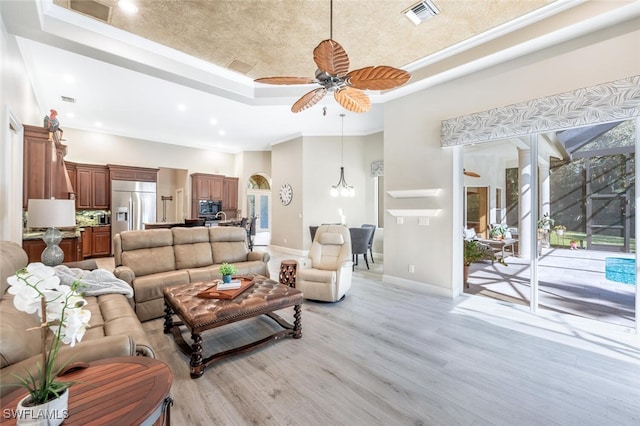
{"x":45,"y":175}
{"x":138,"y":174}
{"x":92,"y":187}
{"x":87,"y":237}
{"x":96,"y":241}
{"x":34,"y":249}
{"x":230,"y":194}
{"x":207,"y":187}
{"x":101,"y":240}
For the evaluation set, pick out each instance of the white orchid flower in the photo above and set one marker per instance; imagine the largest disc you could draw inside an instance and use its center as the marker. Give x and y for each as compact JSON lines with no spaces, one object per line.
{"x":29,"y":284}
{"x":75,"y":325}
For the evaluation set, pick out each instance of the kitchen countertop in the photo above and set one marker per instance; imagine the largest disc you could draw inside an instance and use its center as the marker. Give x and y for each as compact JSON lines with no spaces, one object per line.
{"x":37,"y":234}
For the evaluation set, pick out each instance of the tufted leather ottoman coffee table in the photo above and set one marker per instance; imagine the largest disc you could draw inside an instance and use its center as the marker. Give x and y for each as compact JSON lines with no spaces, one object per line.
{"x":198,"y":314}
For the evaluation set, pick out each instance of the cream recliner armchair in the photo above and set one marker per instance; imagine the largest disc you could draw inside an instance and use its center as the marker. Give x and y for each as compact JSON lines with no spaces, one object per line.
{"x":328,"y":275}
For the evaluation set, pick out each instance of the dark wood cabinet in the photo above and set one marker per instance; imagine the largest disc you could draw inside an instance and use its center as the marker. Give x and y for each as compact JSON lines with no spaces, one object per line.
{"x":230,"y":194}
{"x":44,"y":170}
{"x":34,"y":249}
{"x":208,"y":187}
{"x":101,"y":240}
{"x":87,"y":237}
{"x":92,"y":187}
{"x":211,"y":187}
{"x":139,"y":174}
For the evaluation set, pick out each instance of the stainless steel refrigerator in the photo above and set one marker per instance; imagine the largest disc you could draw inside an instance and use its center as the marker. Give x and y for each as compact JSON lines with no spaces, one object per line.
{"x":132,"y":205}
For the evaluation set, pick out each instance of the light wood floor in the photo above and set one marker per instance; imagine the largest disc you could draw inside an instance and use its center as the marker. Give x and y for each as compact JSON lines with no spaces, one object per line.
{"x":389,"y":355}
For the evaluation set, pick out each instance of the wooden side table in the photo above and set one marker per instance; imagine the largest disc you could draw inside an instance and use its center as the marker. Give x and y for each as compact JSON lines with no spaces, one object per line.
{"x":123,"y":390}
{"x":288,"y":270}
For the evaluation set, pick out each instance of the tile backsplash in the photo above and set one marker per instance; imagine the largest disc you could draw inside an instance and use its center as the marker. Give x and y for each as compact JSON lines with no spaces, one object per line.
{"x":90,"y":217}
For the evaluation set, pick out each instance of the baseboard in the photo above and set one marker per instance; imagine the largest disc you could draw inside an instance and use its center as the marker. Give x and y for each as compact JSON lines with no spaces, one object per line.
{"x":419,"y":286}
{"x":288,"y":250}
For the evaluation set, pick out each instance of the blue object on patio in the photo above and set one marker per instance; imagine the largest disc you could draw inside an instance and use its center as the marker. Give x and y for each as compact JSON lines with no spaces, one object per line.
{"x":620,"y":269}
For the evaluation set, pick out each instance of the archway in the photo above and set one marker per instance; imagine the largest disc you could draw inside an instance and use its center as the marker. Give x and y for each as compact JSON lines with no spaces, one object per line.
{"x":259,"y":206}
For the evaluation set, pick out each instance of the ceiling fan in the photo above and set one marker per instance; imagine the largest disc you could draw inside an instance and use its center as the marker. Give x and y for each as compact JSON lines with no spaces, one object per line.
{"x":471,"y":174}
{"x":333,"y":76}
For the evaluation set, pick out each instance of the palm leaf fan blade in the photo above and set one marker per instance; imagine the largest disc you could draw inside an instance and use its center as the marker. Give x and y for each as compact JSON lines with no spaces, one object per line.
{"x":353,"y":99}
{"x":377,"y":78}
{"x":331,"y":58}
{"x":309,"y":99}
{"x":285,"y":80}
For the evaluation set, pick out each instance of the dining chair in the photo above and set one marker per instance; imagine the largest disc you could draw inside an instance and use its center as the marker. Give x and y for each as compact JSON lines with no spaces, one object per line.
{"x":360,"y":244}
{"x":370,"y":244}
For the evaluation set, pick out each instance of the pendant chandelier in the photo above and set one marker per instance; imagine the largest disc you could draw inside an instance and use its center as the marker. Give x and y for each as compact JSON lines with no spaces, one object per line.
{"x":342,"y":188}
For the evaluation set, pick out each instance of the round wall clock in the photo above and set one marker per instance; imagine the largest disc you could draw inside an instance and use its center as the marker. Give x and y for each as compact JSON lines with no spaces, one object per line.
{"x":286,"y":194}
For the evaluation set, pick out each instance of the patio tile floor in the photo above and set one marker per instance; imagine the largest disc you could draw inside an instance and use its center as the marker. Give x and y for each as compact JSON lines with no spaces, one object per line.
{"x":571,"y":281}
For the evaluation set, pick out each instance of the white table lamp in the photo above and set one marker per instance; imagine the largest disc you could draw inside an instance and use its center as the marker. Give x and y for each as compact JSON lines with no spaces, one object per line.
{"x":51,"y":214}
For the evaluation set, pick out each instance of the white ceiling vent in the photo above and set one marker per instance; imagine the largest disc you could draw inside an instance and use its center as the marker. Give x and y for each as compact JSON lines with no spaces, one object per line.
{"x":421,"y":11}
{"x":67,"y":99}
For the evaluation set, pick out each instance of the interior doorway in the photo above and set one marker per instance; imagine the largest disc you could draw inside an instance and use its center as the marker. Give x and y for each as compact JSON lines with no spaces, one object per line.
{"x":477,"y":209}
{"x":259,"y":206}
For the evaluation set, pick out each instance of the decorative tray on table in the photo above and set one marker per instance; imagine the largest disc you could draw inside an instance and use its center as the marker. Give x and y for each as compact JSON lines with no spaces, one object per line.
{"x":213,"y":292}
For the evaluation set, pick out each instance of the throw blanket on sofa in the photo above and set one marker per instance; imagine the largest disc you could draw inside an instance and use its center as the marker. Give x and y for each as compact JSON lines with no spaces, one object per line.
{"x":93,"y":283}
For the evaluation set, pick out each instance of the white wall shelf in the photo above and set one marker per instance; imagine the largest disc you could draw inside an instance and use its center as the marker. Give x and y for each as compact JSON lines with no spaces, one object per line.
{"x":414,"y":212}
{"x":415,"y":193}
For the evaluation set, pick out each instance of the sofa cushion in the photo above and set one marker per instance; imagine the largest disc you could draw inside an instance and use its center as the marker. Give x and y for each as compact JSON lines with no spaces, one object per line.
{"x":16,"y":343}
{"x":12,"y":258}
{"x":150,"y":287}
{"x":150,"y":261}
{"x":192,"y":248}
{"x":206,"y":273}
{"x":228,"y":244}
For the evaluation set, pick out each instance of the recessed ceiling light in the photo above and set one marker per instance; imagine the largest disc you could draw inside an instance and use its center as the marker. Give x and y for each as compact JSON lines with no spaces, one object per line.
{"x":98,"y":124}
{"x":222,"y":132}
{"x":182,"y":107}
{"x":69,"y":78}
{"x":127,"y":6}
{"x":70,"y":115}
{"x":213,"y":121}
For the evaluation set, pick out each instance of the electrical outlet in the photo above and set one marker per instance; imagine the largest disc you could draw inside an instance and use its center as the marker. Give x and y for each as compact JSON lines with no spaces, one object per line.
{"x":412,"y":269}
{"x":399,"y":220}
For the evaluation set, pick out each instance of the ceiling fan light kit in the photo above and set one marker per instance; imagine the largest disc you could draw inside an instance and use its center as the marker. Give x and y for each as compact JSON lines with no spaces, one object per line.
{"x":333,"y":75}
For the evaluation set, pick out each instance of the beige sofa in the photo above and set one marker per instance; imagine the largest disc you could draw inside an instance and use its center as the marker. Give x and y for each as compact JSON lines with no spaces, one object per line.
{"x":153,"y":259}
{"x":114,"y":329}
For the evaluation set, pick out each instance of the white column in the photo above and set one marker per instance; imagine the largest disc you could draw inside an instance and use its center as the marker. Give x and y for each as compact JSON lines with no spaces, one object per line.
{"x":524,"y":203}
{"x":545,"y":189}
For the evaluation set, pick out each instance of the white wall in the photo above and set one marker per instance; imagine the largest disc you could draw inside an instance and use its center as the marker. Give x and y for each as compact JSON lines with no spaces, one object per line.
{"x":414,"y":158}
{"x":17,"y":106}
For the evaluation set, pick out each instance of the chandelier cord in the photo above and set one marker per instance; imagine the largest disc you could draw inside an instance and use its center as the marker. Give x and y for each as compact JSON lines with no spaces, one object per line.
{"x":342,"y":143}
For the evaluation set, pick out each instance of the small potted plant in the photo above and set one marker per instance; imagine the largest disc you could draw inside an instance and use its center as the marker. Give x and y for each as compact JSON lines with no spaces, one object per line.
{"x":226,"y":270}
{"x":545,"y":222}
{"x":559,"y":230}
{"x":498,"y":231}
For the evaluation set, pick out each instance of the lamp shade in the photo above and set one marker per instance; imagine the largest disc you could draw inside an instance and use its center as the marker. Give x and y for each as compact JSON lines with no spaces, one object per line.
{"x":51,"y":213}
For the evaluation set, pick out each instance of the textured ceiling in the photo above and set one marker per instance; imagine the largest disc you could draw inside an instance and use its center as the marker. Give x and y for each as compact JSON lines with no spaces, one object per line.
{"x":262,"y":38}
{"x":170,"y":63}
